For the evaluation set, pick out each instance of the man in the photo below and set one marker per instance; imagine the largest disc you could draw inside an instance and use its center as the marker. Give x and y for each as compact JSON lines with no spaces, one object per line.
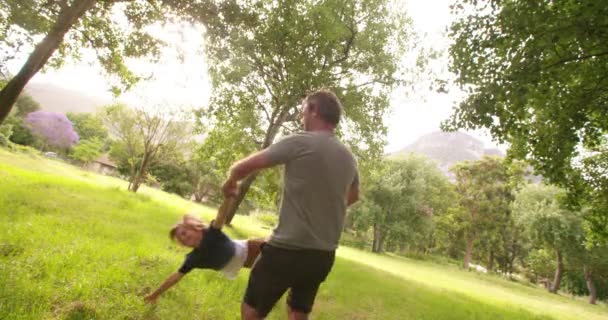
{"x":320,"y":182}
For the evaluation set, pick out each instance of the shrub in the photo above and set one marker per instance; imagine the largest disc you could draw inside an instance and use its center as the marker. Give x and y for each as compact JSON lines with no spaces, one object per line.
{"x":4,"y":142}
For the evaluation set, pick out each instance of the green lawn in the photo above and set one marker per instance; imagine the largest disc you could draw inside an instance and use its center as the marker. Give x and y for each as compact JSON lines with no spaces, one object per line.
{"x":76,"y":245}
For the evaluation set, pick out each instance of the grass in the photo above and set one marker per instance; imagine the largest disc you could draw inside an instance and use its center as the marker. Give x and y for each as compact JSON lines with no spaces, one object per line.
{"x":76,"y":245}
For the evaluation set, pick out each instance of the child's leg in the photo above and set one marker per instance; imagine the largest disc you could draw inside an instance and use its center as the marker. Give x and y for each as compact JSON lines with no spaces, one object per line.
{"x":254,"y":246}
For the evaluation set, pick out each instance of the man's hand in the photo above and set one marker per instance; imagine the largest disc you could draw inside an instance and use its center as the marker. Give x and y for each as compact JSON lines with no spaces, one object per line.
{"x":151,"y":298}
{"x":230,"y":188}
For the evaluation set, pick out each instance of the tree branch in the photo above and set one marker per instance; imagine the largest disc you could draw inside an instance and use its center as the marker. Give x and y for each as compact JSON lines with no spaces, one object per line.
{"x":577,"y":58}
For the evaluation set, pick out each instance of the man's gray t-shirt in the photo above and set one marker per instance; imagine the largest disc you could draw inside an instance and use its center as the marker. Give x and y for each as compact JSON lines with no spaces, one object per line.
{"x":319,"y":171}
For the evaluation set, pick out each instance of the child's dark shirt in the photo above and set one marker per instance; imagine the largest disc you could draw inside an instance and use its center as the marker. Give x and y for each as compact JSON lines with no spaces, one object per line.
{"x":213,"y":252}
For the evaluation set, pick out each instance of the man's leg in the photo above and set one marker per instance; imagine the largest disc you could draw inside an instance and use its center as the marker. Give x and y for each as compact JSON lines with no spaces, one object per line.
{"x":268,"y":280}
{"x":296,"y":315}
{"x":313,"y":267}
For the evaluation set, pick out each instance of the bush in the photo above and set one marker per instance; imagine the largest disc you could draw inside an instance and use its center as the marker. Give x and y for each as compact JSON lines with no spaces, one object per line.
{"x":6,"y":130}
{"x":4,"y":142}
{"x":87,"y":150}
{"x":25,"y":149}
{"x":20,"y":134}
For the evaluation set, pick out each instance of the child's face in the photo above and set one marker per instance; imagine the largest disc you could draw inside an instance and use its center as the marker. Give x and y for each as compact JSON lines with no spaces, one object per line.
{"x":188,"y":236}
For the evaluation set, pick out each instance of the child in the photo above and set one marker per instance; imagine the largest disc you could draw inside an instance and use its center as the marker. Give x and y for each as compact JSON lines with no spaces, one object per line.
{"x":212,"y":249}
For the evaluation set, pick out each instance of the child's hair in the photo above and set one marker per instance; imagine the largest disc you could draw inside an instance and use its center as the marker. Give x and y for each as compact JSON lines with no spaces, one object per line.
{"x":189,"y":221}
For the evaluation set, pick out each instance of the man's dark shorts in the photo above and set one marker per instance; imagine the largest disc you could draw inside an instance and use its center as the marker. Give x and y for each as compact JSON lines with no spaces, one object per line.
{"x":280,"y":269}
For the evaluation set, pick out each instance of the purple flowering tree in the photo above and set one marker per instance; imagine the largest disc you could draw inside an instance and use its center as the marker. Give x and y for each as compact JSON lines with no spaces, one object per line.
{"x":53,"y":129}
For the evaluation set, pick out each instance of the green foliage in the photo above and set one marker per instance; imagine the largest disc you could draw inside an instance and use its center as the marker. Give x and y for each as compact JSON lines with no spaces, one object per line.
{"x":6,"y":130}
{"x":449,"y":233}
{"x":98,"y":29}
{"x":25,"y":104}
{"x":593,"y":179}
{"x":174,"y":176}
{"x":593,"y":260}
{"x":88,"y":126}
{"x":485,"y":189}
{"x":265,"y":56}
{"x":87,"y":150}
{"x":142,"y":137}
{"x":127,"y":148}
{"x":541,"y":264}
{"x":540,"y":209}
{"x":4,"y":142}
{"x":541,"y":87}
{"x":400,"y":198}
{"x":20,"y":133}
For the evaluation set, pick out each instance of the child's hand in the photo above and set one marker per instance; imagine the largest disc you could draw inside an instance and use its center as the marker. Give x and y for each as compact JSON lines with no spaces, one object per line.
{"x":151,"y":298}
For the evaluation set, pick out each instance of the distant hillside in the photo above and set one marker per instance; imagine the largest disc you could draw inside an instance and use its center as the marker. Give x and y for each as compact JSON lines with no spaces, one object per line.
{"x":57,"y":99}
{"x":448,"y":148}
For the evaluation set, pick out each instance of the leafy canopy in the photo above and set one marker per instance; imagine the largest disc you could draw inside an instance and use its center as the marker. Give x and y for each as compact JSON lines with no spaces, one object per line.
{"x":536,"y":76}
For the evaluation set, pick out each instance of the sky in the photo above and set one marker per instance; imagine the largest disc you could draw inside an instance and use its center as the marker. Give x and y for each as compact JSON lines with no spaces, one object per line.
{"x":184,"y":82}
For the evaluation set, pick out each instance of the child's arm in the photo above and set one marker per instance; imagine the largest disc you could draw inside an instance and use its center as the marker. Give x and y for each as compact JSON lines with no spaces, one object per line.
{"x":169,"y":282}
{"x":220,"y":219}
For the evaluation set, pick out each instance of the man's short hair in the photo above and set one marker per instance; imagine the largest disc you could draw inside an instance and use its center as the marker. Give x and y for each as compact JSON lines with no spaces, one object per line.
{"x":327,"y":105}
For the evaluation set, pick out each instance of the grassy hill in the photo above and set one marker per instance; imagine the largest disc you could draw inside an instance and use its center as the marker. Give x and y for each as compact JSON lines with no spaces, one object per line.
{"x":76,"y":245}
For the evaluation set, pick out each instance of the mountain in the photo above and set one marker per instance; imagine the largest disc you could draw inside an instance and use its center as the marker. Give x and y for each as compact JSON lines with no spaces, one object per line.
{"x":448,"y":148}
{"x":58,"y":99}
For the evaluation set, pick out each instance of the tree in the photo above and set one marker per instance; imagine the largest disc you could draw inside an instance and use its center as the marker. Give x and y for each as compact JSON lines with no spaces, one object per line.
{"x":53,"y":129}
{"x":25,"y":104}
{"x":485,"y":188}
{"x":14,"y":122}
{"x":539,"y":209}
{"x":114,"y":30}
{"x":593,"y":177}
{"x":400,"y":198}
{"x":20,"y":133}
{"x":88,"y":126}
{"x":142,"y":135}
{"x":266,"y":56}
{"x":592,"y":263}
{"x":175,"y":170}
{"x":535,"y":72}
{"x":87,"y":150}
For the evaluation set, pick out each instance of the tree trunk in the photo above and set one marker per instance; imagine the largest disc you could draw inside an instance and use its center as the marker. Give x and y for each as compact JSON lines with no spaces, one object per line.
{"x":469,"y":252}
{"x":558,"y":273}
{"x":271,"y":133}
{"x":511,"y":261}
{"x":490,"y":265}
{"x":590,"y":285}
{"x":243,"y":188}
{"x":141,"y":173}
{"x":378,"y":243}
{"x":67,"y":17}
{"x":198,"y":196}
{"x":381,"y":242}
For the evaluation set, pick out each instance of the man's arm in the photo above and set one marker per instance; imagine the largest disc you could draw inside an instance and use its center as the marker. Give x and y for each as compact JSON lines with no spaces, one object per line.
{"x":353,"y":192}
{"x":243,"y":168}
{"x":169,"y":282}
{"x":353,"y":195}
